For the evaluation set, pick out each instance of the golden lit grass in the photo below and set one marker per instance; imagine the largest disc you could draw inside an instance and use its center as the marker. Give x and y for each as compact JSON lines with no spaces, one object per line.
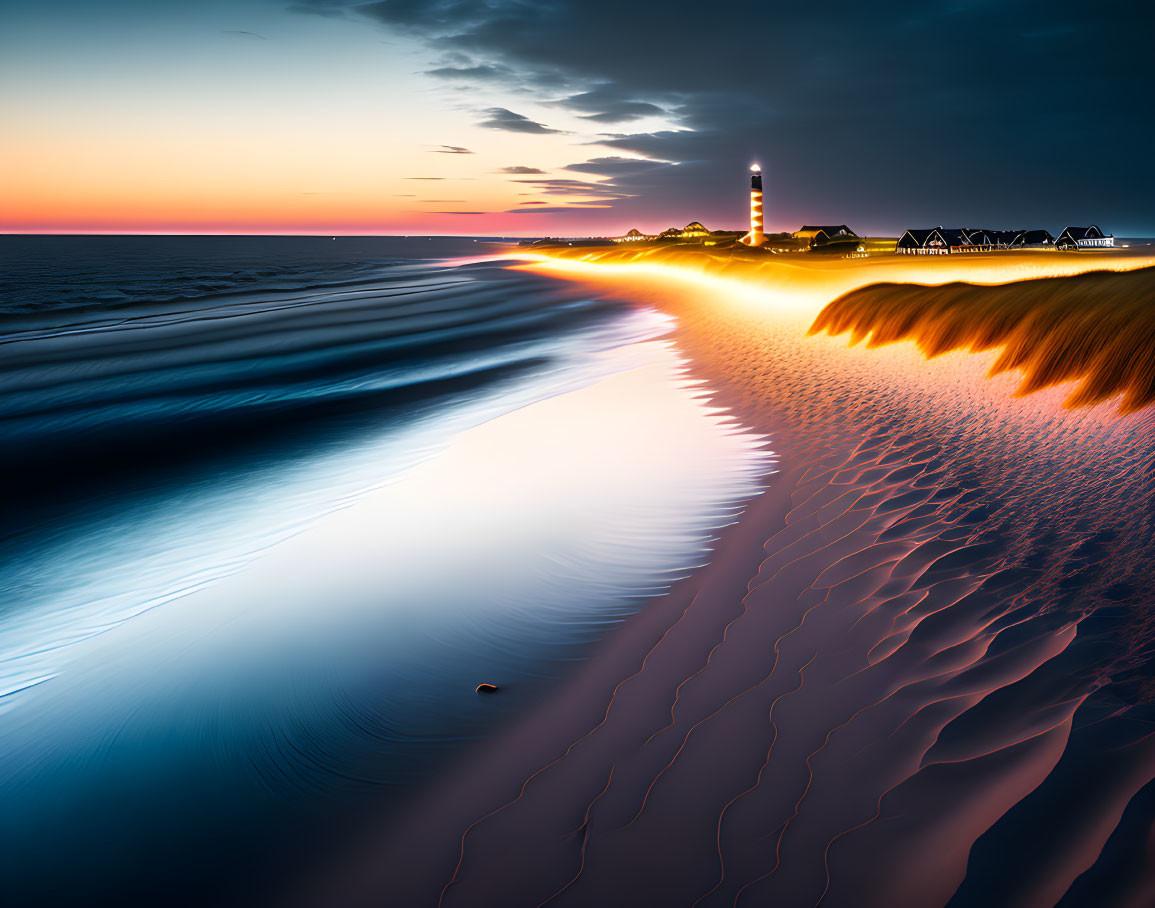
{"x":1097,"y":328}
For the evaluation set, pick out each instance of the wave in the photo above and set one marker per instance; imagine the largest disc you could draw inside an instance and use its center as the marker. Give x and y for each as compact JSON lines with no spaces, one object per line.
{"x":93,"y":393}
{"x":1097,"y":329}
{"x":176,"y":442}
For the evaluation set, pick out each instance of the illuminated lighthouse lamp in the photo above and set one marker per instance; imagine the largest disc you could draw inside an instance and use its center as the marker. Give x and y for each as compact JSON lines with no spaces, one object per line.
{"x":755,"y":237}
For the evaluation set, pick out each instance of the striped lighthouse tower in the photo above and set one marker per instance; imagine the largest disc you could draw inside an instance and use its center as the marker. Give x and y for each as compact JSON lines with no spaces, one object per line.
{"x":755,"y":237}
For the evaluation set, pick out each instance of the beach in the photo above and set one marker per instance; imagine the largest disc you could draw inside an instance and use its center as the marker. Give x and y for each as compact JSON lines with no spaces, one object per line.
{"x":788,"y":597}
{"x":911,"y":674}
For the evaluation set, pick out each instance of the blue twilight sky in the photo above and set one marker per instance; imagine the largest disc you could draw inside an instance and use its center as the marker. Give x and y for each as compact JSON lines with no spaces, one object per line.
{"x":506,"y":116}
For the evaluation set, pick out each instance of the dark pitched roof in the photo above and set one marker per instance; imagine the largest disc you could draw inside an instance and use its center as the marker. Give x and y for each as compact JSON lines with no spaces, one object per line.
{"x":948,"y":235}
{"x":829,"y":230}
{"x":917,"y":237}
{"x":1083,"y":233}
{"x":954,"y":236}
{"x":979,"y":236}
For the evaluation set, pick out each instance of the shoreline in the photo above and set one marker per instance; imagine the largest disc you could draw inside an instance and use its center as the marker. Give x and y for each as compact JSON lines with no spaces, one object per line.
{"x":878,"y":607}
{"x":491,"y":775}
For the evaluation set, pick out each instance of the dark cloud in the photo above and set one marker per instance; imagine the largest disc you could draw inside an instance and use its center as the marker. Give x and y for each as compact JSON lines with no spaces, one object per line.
{"x":532,"y":203}
{"x":975,"y":111}
{"x":242,"y":34}
{"x":603,"y":191}
{"x":423,"y":14}
{"x":525,"y":170}
{"x":617,"y":167}
{"x":486,"y":72}
{"x":629,"y":110}
{"x":500,"y":118}
{"x":608,"y":104}
{"x":450,"y":149}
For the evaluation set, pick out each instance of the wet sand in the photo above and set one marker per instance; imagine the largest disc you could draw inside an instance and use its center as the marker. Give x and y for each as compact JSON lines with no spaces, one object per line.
{"x":914,"y":673}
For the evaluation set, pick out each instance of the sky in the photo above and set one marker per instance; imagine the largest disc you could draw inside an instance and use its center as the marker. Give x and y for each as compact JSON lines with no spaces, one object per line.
{"x":579,"y":117}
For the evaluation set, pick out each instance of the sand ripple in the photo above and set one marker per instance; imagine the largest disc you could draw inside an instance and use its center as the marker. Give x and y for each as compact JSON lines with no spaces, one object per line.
{"x":912,"y":675}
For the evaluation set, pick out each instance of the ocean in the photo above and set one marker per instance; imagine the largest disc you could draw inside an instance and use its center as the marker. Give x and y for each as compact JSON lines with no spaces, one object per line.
{"x":274,"y":506}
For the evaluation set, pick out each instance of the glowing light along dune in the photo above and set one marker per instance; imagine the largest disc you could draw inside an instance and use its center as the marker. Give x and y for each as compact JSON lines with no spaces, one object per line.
{"x":803,"y":282}
{"x":1098,"y":328}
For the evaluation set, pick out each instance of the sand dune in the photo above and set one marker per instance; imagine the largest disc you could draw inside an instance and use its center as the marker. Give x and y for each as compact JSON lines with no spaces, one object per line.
{"x":1096,"y":328}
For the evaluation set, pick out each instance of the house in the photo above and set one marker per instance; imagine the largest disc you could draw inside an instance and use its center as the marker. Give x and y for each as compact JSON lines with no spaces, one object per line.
{"x":692,"y":231}
{"x":1033,"y":239}
{"x":921,"y":242}
{"x":1012,"y":239}
{"x":934,"y":241}
{"x":957,"y":240}
{"x":634,"y":236}
{"x":1083,"y":238}
{"x":982,"y":240}
{"x":820,"y":235}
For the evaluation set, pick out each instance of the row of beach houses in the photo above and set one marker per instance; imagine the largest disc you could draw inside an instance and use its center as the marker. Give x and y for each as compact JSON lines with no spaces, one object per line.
{"x":927,"y":241}
{"x":952,"y":240}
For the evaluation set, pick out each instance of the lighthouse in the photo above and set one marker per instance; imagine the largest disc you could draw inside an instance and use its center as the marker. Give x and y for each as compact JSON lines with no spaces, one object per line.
{"x":755,"y":237}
